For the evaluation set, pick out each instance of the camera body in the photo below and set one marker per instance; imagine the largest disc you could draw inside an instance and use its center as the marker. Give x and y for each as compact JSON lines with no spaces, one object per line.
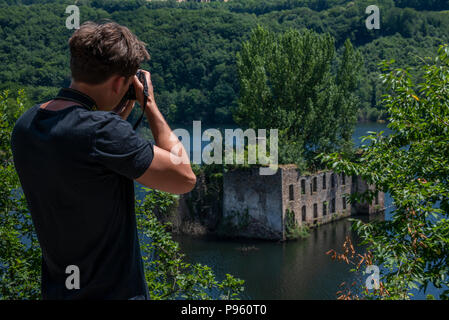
{"x":131,"y":93}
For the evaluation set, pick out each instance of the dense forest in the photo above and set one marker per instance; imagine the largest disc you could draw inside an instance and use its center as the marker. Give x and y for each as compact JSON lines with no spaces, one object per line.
{"x":193,"y":45}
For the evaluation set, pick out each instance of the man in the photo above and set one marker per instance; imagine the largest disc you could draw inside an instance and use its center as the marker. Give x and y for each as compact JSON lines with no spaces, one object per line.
{"x":77,"y":167}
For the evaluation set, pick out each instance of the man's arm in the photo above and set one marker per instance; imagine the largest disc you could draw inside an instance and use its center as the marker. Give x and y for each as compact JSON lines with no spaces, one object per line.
{"x":170,"y":169}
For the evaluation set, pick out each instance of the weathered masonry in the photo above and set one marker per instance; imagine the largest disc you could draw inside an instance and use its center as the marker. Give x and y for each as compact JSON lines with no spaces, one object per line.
{"x":257,"y":205}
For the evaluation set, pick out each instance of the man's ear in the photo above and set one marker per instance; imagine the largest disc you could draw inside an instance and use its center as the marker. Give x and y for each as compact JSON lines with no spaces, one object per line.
{"x":118,"y":82}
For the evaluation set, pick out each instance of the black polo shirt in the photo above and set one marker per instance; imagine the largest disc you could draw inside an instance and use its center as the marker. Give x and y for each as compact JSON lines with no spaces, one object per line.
{"x":77,"y":168}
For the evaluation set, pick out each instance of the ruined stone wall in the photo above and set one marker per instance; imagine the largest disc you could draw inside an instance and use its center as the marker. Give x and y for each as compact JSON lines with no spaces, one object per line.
{"x":256,"y":206}
{"x":313,"y":200}
{"x":378,"y":204}
{"x":252,"y":203}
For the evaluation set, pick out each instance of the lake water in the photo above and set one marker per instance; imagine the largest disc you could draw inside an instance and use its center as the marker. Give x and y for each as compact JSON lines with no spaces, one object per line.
{"x":291,"y":270}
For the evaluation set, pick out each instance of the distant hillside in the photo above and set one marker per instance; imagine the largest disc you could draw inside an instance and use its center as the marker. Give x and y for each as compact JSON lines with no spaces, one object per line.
{"x":193,"y":45}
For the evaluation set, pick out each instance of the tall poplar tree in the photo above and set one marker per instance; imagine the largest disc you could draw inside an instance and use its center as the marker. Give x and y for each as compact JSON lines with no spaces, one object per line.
{"x":292,"y":82}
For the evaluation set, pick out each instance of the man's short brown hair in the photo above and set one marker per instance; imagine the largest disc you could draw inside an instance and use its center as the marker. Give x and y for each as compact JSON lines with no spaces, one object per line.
{"x":98,"y":51}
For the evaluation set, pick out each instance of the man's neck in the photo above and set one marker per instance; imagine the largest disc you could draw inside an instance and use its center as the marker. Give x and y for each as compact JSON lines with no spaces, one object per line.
{"x":95,"y":92}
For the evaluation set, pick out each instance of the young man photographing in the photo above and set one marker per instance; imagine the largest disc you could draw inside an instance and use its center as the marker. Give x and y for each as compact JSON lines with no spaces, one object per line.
{"x":77,"y":165}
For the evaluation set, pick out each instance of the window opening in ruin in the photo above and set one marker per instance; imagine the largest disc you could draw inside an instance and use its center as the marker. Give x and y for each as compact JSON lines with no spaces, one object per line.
{"x":290,"y":192}
{"x":303,"y":210}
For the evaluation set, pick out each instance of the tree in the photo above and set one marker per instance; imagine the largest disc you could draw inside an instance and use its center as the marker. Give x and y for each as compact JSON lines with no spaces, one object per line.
{"x":412,"y":164}
{"x":20,"y":254}
{"x":287,"y":82}
{"x":423,"y":4}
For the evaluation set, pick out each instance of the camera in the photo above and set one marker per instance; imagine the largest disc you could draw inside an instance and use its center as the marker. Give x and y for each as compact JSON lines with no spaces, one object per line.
{"x":131,"y":93}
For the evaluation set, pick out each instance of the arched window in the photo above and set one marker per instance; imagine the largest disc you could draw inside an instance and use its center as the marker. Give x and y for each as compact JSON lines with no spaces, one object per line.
{"x":324,"y":208}
{"x":303,"y":186}
{"x":324,"y":181}
{"x":315,"y":210}
{"x":291,"y":195}
{"x":303,"y":213}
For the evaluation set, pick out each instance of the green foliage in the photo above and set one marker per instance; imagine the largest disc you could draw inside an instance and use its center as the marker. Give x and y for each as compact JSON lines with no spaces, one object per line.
{"x":206,"y":199}
{"x":423,"y":4}
{"x":20,"y":255}
{"x":286,"y":82}
{"x":412,"y":164}
{"x":234,"y":223}
{"x":167,"y":274}
{"x":292,"y":230}
{"x":193,"y":45}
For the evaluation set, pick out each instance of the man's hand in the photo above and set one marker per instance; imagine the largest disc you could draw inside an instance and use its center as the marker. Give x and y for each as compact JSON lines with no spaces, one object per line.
{"x":139,"y":90}
{"x":125,"y":111}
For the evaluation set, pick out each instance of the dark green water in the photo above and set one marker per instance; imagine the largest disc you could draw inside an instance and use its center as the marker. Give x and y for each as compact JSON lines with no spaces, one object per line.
{"x":292,"y":270}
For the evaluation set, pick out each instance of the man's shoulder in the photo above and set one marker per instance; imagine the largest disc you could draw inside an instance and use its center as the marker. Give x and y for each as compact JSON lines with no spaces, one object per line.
{"x":26,"y":118}
{"x":106,"y":116}
{"x":80,"y":119}
{"x":110,"y":121}
{"x":29,"y":112}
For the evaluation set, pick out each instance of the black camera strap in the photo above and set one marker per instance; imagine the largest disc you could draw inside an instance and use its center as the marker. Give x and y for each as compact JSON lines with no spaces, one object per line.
{"x":87,"y":102}
{"x":78,"y":97}
{"x":142,"y":79}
